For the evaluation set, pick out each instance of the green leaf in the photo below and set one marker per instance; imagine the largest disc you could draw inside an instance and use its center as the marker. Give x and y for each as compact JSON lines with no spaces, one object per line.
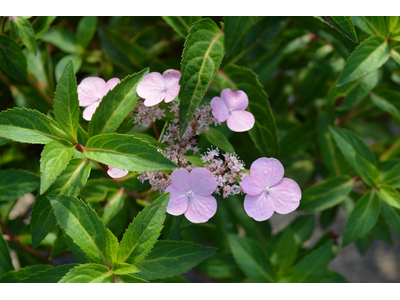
{"x":41,"y":25}
{"x":202,"y":55}
{"x":364,"y":243}
{"x":86,"y":30}
{"x":82,"y":224}
{"x":66,"y":105}
{"x":69,"y":183}
{"x":264,"y":131}
{"x":143,"y":232}
{"x":370,"y":55}
{"x":126,"y":269}
{"x":218,"y":139}
{"x":220,"y":266}
{"x":251,"y":258}
{"x":326,"y":143}
{"x":51,"y":275}
{"x":368,"y":171}
{"x":54,"y":159}
{"x":392,"y":23}
{"x":313,"y":266}
{"x":29,"y":126}
{"x":388,"y":101}
{"x":181,"y":24}
{"x":390,"y":195}
{"x":16,"y":183}
{"x":286,"y":249}
{"x":235,"y":28}
{"x":392,"y":215}
{"x":371,"y":25}
{"x":112,"y":248}
{"x":5,"y":258}
{"x":77,"y":60}
{"x":62,"y":39}
{"x":17,"y":276}
{"x":170,"y":258}
{"x":130,"y":279}
{"x":116,"y":105}
{"x":333,"y":277}
{"x":12,"y":59}
{"x":382,"y":231}
{"x":326,"y":194}
{"x":363,"y":217}
{"x":395,"y":55}
{"x":25,"y":32}
{"x":343,"y":25}
{"x":302,"y":228}
{"x":89,"y":273}
{"x":393,"y":177}
{"x":127,"y":153}
{"x":113,"y":206}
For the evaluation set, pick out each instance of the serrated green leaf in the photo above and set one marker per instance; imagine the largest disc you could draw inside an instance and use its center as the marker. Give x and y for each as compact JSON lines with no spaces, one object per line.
{"x":343,"y":25}
{"x":16,"y":183}
{"x":371,"y":25}
{"x":388,"y":101}
{"x":88,"y":273}
{"x":66,"y":105}
{"x":116,"y":105}
{"x":370,"y":55}
{"x":112,"y":248}
{"x":392,"y":215}
{"x":86,"y":30}
{"x":54,"y":159}
{"x":41,"y":25}
{"x":170,"y":258}
{"x":50,"y":275}
{"x":127,"y":153}
{"x":181,"y":24}
{"x":130,"y":279}
{"x":252,"y":259}
{"x":29,"y":126}
{"x":82,"y":224}
{"x":235,"y":28}
{"x":17,"y":276}
{"x":143,"y":232}
{"x":62,"y":39}
{"x":5,"y":258}
{"x":313,"y":266}
{"x":12,"y":59}
{"x":125,"y":269}
{"x":202,"y":55}
{"x":220,"y":266}
{"x":218,"y":139}
{"x":390,"y":195}
{"x":363,"y":217}
{"x":367,"y":171}
{"x":263,"y":133}
{"x":78,"y":253}
{"x":77,"y":60}
{"x":326,"y":194}
{"x":24,"y":31}
{"x":113,"y":206}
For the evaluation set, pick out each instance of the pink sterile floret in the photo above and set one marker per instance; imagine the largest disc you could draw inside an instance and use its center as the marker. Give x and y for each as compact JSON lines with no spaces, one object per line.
{"x":191,"y":194}
{"x":91,"y":91}
{"x":231,"y":107}
{"x":116,"y":173}
{"x":155,"y":87}
{"x":267,"y":190}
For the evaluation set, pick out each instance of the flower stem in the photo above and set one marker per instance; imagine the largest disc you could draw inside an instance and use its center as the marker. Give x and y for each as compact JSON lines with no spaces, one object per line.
{"x":4,"y":24}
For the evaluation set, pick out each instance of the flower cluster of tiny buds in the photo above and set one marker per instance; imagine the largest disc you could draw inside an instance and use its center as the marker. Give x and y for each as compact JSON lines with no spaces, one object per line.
{"x":145,"y":114}
{"x":228,"y":171}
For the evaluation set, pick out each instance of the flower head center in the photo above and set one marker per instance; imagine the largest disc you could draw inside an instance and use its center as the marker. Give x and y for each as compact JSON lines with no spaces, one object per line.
{"x":230,"y":111}
{"x":190,"y":194}
{"x":165,"y":89}
{"x":267,"y":190}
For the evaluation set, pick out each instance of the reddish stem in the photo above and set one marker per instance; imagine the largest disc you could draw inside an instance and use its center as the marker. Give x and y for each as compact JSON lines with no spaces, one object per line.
{"x":4,"y":24}
{"x":155,"y":129}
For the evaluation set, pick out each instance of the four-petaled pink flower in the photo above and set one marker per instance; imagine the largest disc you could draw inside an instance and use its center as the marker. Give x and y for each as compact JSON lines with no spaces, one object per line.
{"x":267,"y":190}
{"x":155,"y":87}
{"x":231,"y":107}
{"x":191,"y":194}
{"x":116,"y":173}
{"x":91,"y":91}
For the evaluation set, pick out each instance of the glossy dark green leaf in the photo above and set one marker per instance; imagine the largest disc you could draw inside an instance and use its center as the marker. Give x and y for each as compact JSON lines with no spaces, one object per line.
{"x":286,"y":249}
{"x":181,"y":24}
{"x":387,"y":100}
{"x":326,"y":143}
{"x":12,"y":60}
{"x":16,"y":183}
{"x":5,"y":257}
{"x":235,"y":28}
{"x":50,"y":275}
{"x":392,"y":215}
{"x":202,"y":55}
{"x":333,"y":277}
{"x":25,"y":32}
{"x":86,"y":30}
{"x":218,"y":139}
{"x":88,"y":273}
{"x":114,"y":205}
{"x":17,"y":276}
{"x":371,"y":25}
{"x":302,"y":228}
{"x":382,"y":231}
{"x":364,"y":243}
{"x":344,"y":25}
{"x":367,"y":171}
{"x":390,"y":195}
{"x":220,"y":266}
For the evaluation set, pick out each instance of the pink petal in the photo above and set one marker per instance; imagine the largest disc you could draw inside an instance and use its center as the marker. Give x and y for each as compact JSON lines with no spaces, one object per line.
{"x":111,"y":84}
{"x":252,"y":185}
{"x":89,"y":111}
{"x":90,"y":90}
{"x":172,"y":92}
{"x":219,"y":109}
{"x":155,"y":99}
{"x":240,"y":120}
{"x":116,"y":173}
{"x":285,"y":195}
{"x":151,"y":86}
{"x":202,"y":182}
{"x":269,"y":170}
{"x":180,"y":180}
{"x":201,"y":209}
{"x":178,"y":201}
{"x":258,"y":207}
{"x":171,"y":78}
{"x":235,"y":100}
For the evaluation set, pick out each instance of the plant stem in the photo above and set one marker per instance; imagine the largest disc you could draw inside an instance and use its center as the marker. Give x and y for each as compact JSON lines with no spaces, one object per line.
{"x":4,"y":24}
{"x":153,"y":124}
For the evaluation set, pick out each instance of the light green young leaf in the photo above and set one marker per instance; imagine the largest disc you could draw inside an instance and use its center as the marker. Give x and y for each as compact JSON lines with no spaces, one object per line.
{"x":393,"y":177}
{"x":143,"y":232}
{"x":326,"y":194}
{"x":86,"y":30}
{"x":16,"y":183}
{"x":24,"y":31}
{"x":390,"y":195}
{"x":125,"y":269}
{"x":127,"y":153}
{"x":50,"y":275}
{"x":202,"y":55}
{"x":88,"y":273}
{"x":370,"y":55}
{"x":313,"y":266}
{"x":252,"y":259}
{"x":54,"y":159}
{"x":371,"y":25}
{"x":235,"y":28}
{"x":170,"y":258}
{"x":344,"y":25}
{"x":112,"y":248}
{"x":129,"y":279}
{"x":12,"y":59}
{"x":387,"y":100}
{"x":363,"y":217}
{"x":218,"y":139}
{"x":66,"y":105}
{"x":29,"y":126}
{"x":181,"y":24}
{"x":395,"y":55}
{"x":367,"y":171}
{"x":116,"y":105}
{"x":5,"y":258}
